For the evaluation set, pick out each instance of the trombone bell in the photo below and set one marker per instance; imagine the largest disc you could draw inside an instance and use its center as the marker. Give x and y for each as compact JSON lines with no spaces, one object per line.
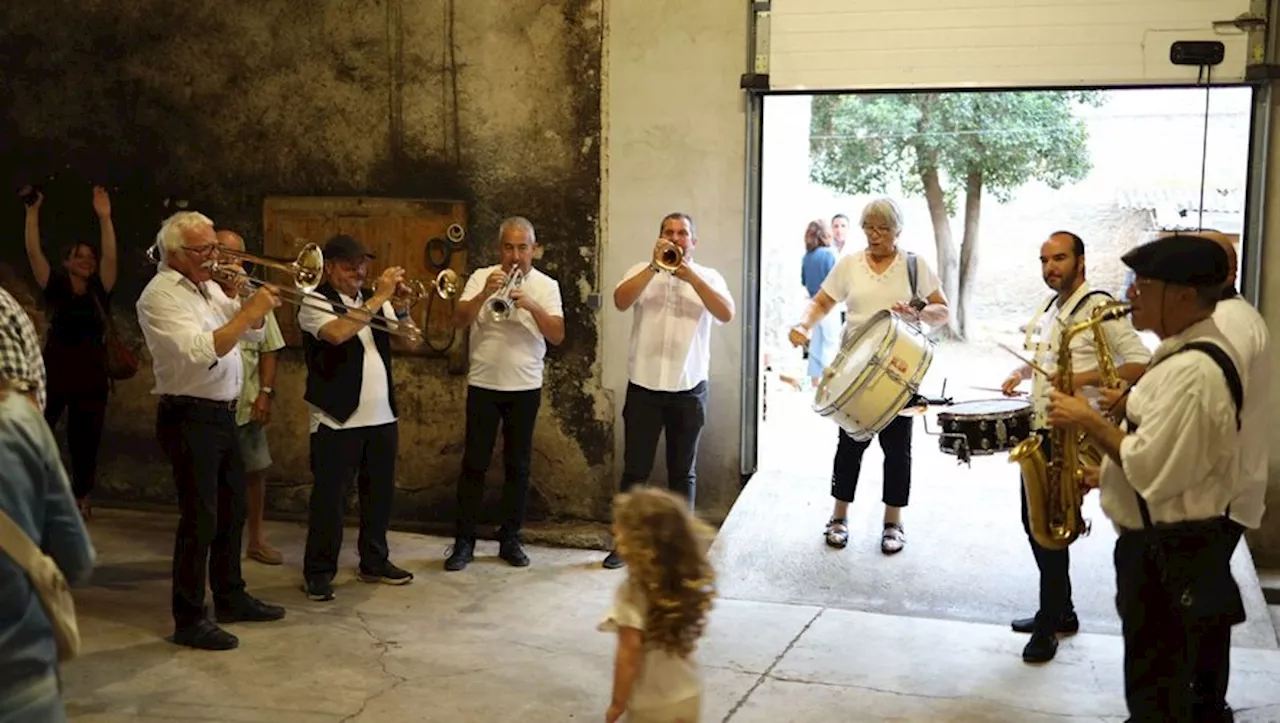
{"x":307,"y":269}
{"x":447,"y":284}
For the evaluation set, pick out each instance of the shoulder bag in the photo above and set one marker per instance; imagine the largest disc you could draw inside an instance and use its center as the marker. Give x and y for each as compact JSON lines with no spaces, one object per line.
{"x":122,"y":362}
{"x":47,"y":578}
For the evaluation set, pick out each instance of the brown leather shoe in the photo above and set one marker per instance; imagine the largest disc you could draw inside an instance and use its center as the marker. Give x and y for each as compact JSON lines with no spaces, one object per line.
{"x":266,"y":554}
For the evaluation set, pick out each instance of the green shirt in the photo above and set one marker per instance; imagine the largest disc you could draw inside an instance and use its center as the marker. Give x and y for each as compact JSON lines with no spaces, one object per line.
{"x":273,"y":340}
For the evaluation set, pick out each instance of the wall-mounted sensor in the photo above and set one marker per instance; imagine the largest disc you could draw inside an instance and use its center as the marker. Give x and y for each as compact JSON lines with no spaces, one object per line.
{"x":1196,"y":52}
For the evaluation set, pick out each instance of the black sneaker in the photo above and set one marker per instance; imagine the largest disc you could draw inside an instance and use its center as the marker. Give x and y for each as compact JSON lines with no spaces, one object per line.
{"x":1068,"y":625}
{"x":388,"y":574}
{"x":1040,"y":648}
{"x":204,"y":635}
{"x":463,"y":552}
{"x":318,"y":590}
{"x":612,"y":561}
{"x":248,"y":609}
{"x":511,"y":551}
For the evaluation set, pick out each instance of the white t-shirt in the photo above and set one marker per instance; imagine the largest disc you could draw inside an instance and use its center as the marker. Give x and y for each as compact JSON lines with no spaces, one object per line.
{"x":507,"y":356}
{"x":375,"y":398}
{"x":664,"y":679}
{"x":866,"y":292}
{"x":1246,"y":330}
{"x":671,"y":331}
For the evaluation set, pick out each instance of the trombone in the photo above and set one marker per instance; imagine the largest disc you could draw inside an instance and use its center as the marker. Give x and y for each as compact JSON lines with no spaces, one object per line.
{"x":500,"y":305}
{"x":668,"y":256}
{"x":307,"y":270}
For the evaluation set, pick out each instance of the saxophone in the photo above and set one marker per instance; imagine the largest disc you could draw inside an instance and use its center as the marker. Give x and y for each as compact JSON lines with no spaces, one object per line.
{"x":1053,"y":487}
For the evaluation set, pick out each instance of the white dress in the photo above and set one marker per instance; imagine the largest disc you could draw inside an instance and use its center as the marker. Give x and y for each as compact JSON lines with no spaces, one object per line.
{"x":668,"y":688}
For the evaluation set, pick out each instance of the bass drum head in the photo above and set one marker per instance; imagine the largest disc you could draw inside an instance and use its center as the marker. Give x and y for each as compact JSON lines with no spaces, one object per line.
{"x":858,"y":346}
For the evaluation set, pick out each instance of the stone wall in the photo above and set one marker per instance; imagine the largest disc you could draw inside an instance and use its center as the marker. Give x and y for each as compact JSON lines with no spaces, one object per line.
{"x":223,"y":104}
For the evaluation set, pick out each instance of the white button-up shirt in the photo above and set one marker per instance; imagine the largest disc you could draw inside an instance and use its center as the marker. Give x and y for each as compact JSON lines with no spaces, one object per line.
{"x":1247,"y":331}
{"x":1045,"y":330}
{"x":671,"y":331}
{"x":178,"y":319}
{"x":1184,"y":457}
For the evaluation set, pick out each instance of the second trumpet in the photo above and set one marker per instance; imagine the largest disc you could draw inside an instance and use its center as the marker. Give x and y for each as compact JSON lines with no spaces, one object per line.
{"x":668,"y":256}
{"x":499,"y":306}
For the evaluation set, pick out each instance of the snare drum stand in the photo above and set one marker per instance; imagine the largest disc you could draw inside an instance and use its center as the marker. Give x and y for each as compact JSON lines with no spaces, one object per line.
{"x":962,"y":442}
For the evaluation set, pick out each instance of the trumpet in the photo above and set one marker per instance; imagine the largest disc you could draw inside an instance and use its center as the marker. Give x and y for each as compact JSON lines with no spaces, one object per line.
{"x":447,"y":283}
{"x":668,"y":256}
{"x":500,"y":305}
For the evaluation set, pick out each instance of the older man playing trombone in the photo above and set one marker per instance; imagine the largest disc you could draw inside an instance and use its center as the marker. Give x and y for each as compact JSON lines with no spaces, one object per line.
{"x":513,"y":310}
{"x":354,"y":427}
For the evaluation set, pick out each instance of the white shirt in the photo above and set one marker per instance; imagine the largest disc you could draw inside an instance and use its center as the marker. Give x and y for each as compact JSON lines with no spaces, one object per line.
{"x":374,"y":407}
{"x":1046,"y":329}
{"x":507,"y":356}
{"x":866,"y":292}
{"x":1184,"y":457}
{"x":1244,"y":327}
{"x":178,"y":319}
{"x":664,"y":679}
{"x":671,"y":331}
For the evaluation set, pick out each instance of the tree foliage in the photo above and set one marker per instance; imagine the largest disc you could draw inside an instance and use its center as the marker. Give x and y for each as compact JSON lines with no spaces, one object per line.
{"x":948,"y":146}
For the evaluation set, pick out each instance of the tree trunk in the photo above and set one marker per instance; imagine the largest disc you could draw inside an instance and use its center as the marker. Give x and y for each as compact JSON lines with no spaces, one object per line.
{"x":968,"y":248}
{"x":948,"y":264}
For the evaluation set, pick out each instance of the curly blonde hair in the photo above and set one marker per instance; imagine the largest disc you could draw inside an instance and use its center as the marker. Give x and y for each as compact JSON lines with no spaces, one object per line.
{"x":665,"y":548}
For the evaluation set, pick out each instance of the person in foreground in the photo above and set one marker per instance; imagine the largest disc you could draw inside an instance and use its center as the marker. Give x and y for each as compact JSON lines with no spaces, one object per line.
{"x":1168,"y":479}
{"x":36,"y":495}
{"x":659,"y":612}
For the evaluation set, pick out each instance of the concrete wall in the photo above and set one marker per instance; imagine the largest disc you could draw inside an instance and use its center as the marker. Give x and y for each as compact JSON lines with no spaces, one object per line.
{"x":223,"y":104}
{"x":675,"y":140}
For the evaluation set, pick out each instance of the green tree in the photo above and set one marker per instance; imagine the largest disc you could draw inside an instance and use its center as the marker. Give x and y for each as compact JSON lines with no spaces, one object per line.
{"x":948,"y":146}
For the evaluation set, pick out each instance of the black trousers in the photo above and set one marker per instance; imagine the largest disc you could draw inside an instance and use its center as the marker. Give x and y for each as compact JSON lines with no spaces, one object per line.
{"x":1212,"y":670}
{"x":208,"y":471}
{"x":516,"y":412}
{"x":86,"y":413}
{"x":1163,"y":651}
{"x":895,"y":441}
{"x":645,"y":415}
{"x":1054,"y":565}
{"x":366,"y":455}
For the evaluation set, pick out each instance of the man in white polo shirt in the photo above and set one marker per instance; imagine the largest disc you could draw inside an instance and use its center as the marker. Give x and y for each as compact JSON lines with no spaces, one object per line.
{"x":670,"y":358}
{"x":504,"y":383}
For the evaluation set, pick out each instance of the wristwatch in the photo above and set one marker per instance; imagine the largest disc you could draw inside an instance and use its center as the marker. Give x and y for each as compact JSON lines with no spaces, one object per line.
{"x":269,"y":392}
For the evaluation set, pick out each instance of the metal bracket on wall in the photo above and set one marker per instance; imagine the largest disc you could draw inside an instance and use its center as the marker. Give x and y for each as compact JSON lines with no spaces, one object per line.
{"x":758,"y":78}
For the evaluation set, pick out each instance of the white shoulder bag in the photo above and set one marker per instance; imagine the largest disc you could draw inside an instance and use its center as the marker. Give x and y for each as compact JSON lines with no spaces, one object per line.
{"x":49,"y":582}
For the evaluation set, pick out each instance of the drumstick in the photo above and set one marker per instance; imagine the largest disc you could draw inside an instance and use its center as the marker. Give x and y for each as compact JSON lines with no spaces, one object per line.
{"x":994,"y":389}
{"x":1034,"y":367}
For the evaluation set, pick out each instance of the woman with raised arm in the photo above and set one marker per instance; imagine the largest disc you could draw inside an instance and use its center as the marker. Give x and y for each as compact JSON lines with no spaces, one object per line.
{"x":78,"y":295}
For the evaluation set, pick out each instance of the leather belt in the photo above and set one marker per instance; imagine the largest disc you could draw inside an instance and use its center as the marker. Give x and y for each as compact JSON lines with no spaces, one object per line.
{"x":228,"y":406}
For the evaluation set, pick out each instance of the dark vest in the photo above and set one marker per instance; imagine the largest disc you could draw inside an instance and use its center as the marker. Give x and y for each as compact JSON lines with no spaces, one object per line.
{"x":334,"y":373}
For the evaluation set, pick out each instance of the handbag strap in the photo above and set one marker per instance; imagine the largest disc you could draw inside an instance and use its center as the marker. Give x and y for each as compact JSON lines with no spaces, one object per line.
{"x":102,"y":312}
{"x":18,"y":545}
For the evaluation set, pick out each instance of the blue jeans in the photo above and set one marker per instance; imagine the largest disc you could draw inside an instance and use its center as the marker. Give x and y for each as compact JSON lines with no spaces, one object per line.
{"x":38,"y":702}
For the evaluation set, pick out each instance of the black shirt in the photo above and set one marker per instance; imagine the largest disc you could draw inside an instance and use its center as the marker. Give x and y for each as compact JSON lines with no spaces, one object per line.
{"x":75,"y":320}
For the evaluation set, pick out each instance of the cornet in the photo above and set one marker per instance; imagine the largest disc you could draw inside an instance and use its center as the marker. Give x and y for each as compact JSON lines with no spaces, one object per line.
{"x":500,"y":304}
{"x":668,"y":256}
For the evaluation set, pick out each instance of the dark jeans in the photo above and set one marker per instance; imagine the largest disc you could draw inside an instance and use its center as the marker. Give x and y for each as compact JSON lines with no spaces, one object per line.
{"x":895,"y":441}
{"x":1163,"y":652}
{"x":645,"y":415}
{"x":517,"y":412}
{"x":1054,"y":565}
{"x":86,"y":412}
{"x":339,"y":456}
{"x":208,"y":471}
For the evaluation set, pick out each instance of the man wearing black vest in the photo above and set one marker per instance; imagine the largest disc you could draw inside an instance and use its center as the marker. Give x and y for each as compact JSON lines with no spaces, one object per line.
{"x":1062,"y":264}
{"x":1169,"y":477}
{"x":354,"y":430}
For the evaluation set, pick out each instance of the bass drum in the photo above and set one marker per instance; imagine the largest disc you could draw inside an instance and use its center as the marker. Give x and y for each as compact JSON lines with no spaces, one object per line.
{"x":878,"y":370}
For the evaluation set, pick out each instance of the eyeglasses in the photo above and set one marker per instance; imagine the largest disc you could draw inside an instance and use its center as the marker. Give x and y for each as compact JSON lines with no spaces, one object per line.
{"x":206,"y":250}
{"x":881,"y":230}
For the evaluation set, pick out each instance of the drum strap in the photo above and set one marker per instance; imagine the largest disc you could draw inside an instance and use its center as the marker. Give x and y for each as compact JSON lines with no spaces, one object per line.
{"x":911,"y":274}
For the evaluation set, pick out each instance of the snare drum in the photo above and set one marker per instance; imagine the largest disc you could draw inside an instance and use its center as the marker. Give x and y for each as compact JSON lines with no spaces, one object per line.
{"x":878,"y":370}
{"x":984,"y":427}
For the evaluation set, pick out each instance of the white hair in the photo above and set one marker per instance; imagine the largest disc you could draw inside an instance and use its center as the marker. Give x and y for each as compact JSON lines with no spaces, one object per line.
{"x":519,"y":222}
{"x":169,"y":239}
{"x":883,"y":209}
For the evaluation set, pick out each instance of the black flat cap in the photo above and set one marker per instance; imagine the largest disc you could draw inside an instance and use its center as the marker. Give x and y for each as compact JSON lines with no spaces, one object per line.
{"x":1186,"y":260}
{"x":342,"y":247}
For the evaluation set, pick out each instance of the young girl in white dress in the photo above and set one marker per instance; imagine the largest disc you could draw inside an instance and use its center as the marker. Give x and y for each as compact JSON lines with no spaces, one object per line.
{"x":660,"y":610}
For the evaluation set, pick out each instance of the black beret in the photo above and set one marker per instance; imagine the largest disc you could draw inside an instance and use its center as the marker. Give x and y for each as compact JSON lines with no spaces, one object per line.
{"x":1186,"y":260}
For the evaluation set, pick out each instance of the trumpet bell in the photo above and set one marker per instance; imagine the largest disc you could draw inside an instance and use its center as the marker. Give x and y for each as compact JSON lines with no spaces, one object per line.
{"x":448,"y":284}
{"x":669,"y":257}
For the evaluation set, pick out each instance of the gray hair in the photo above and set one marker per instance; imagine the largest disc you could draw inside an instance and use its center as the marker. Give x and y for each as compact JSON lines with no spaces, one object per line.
{"x":883,"y":209}
{"x":519,"y":222}
{"x":169,"y":239}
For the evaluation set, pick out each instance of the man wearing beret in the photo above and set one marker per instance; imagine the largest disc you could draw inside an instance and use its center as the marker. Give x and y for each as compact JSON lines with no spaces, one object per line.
{"x":1170,"y":475}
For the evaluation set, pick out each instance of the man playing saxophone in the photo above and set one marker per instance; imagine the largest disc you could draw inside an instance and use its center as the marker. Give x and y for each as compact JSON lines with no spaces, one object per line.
{"x":1062,"y":264}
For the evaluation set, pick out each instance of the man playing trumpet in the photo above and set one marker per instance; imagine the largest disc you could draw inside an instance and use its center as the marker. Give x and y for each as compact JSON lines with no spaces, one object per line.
{"x":513,"y":310}
{"x":354,"y":428}
{"x":676,"y":302}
